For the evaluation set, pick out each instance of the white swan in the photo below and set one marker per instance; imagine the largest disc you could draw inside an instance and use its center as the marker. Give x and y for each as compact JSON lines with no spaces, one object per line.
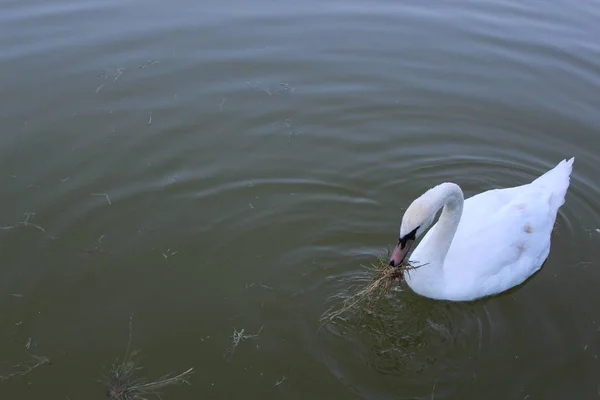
{"x":485,"y":244}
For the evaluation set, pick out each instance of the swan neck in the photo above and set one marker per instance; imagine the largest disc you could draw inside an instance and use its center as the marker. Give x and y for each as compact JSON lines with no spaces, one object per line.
{"x":428,"y":279}
{"x":435,"y":245}
{"x":444,"y":231}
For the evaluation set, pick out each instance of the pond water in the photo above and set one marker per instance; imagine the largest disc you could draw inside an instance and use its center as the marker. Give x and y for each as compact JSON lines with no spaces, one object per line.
{"x":172,"y":173}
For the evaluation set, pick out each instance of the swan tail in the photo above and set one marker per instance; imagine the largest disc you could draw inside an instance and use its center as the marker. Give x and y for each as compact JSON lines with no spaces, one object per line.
{"x":557,"y":181}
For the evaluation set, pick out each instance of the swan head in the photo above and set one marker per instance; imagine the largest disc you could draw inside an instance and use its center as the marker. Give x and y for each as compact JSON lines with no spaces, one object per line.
{"x":416,"y":220}
{"x":422,"y":212}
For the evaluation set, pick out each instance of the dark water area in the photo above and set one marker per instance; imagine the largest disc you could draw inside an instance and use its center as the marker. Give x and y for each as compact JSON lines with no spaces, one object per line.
{"x":208,"y":167}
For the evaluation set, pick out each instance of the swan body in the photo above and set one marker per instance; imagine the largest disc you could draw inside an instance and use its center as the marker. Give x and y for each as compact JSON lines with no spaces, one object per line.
{"x":485,"y":244}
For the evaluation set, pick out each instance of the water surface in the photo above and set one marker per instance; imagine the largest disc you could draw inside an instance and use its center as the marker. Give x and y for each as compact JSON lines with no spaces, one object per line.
{"x":216,"y":166}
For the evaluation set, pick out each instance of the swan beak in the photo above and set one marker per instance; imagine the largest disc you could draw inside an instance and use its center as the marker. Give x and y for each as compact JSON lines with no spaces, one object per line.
{"x":400,"y":252}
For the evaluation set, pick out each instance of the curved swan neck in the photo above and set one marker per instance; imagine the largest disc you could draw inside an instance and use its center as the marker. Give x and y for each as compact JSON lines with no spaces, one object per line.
{"x":450,"y":197}
{"x":430,"y":254}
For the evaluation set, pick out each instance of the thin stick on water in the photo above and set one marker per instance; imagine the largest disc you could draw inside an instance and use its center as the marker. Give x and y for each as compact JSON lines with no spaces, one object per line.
{"x":288,"y":124}
{"x":280,"y":381}
{"x":168,"y":253}
{"x":102,"y":194}
{"x":118,"y":73}
{"x":148,"y":64}
{"x":25,"y":368}
{"x":28,"y":215}
{"x":27,"y":223}
{"x":130,"y":337}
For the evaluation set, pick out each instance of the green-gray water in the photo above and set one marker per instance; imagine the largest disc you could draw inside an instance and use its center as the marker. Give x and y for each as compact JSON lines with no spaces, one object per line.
{"x":209,"y":166}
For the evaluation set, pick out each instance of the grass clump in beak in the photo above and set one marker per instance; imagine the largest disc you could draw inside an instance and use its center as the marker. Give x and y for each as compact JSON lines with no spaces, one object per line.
{"x":380,"y":284}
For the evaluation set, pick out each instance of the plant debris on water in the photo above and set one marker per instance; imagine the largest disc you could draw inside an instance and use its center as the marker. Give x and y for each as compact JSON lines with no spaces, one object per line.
{"x":238,"y":337}
{"x":383,"y":276}
{"x":26,"y":367}
{"x":121,"y":384}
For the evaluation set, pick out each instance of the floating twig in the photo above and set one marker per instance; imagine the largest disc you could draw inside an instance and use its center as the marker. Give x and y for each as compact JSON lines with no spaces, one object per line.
{"x":169,"y":253}
{"x":283,"y":87}
{"x":148,"y":64}
{"x":25,"y":368}
{"x":102,"y":194}
{"x":118,"y":73}
{"x":259,"y":284}
{"x":288,"y":124}
{"x":279,"y":382}
{"x":28,"y":215}
{"x":97,"y":248}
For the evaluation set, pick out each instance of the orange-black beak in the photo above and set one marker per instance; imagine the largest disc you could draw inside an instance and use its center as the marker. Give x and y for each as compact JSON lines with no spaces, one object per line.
{"x":400,"y":251}
{"x":402,"y":248}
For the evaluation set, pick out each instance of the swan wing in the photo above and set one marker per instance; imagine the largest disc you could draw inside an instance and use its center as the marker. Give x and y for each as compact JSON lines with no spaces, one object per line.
{"x":504,"y":235}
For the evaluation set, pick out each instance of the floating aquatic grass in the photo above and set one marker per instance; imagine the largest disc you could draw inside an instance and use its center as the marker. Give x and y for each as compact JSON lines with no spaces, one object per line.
{"x":382,"y":278}
{"x":122,"y":384}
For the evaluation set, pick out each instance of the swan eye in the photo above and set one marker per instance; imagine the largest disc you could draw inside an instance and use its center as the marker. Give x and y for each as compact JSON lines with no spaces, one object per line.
{"x":411,"y":236}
